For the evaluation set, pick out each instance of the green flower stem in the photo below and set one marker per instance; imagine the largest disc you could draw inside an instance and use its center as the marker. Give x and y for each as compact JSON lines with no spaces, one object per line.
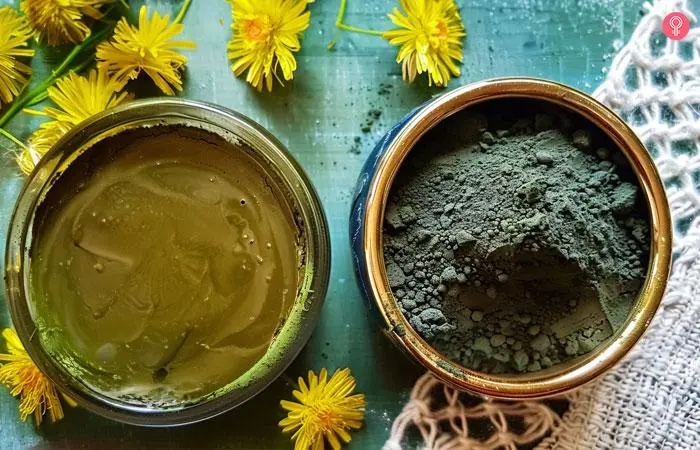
{"x":44,"y":95}
{"x":11,"y":137}
{"x":83,"y":65}
{"x":342,"y":26}
{"x":339,"y":23}
{"x":128,"y":12}
{"x":183,"y":11}
{"x":28,"y":97}
{"x":38,"y":99}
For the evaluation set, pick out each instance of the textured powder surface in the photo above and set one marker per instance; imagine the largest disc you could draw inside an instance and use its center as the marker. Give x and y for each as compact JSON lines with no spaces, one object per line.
{"x":515,"y":243}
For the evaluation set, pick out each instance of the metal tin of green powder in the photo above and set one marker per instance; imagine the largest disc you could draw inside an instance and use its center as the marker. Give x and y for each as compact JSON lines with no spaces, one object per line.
{"x":369,"y":213}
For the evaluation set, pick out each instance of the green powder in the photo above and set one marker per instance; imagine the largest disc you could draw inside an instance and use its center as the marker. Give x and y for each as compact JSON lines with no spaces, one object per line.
{"x":515,"y":243}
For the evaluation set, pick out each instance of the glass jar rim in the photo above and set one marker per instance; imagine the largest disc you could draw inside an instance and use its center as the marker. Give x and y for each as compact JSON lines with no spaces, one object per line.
{"x":309,"y":215}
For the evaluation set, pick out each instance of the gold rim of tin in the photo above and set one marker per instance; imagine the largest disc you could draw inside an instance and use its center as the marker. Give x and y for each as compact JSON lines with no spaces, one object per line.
{"x":565,"y":376}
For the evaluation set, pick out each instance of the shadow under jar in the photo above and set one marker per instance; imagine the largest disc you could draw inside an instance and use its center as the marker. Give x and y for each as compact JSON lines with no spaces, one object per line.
{"x":475,"y":237}
{"x":166,"y":261}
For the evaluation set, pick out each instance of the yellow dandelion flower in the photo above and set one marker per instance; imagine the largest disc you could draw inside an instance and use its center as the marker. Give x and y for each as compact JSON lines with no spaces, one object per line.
{"x":266,"y":34}
{"x":325,"y":410}
{"x":430,"y":37}
{"x":149,"y":48}
{"x":27,"y":159}
{"x":77,"y":98}
{"x":14,"y":34}
{"x":38,"y":396}
{"x":62,"y":21}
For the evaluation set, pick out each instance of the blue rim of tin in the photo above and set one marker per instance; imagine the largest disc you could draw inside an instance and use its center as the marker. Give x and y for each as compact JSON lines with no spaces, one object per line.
{"x":359,"y":206}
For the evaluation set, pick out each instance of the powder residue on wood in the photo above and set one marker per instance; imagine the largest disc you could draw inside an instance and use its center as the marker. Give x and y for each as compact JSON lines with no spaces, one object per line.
{"x":515,"y":243}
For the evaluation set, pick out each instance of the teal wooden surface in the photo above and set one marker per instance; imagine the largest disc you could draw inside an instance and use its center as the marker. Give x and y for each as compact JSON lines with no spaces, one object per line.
{"x":320,"y":117}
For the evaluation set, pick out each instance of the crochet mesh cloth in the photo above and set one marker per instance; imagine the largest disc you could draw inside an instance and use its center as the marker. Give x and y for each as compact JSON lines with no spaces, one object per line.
{"x":652,"y":399}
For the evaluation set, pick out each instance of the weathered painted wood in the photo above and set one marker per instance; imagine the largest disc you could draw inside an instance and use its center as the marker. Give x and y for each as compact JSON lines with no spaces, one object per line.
{"x":319,"y":117}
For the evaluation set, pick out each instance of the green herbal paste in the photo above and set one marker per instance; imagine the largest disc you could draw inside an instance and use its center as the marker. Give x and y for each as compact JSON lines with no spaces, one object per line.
{"x":163,"y":263}
{"x":513,"y":243}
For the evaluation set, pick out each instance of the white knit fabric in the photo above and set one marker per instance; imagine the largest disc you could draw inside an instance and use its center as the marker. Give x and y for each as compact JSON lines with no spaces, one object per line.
{"x":652,"y":399}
